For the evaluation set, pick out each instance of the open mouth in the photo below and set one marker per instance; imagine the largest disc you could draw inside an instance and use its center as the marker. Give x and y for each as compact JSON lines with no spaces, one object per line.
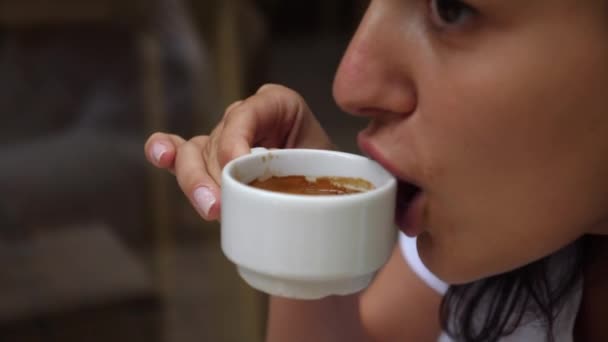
{"x":411,"y":202}
{"x":407,"y":194}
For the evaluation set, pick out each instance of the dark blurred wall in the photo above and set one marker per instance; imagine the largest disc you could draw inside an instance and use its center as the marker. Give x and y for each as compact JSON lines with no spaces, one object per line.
{"x":74,"y":116}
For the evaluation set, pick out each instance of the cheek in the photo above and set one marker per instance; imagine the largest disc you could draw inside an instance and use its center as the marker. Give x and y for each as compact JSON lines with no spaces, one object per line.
{"x":515,"y":173}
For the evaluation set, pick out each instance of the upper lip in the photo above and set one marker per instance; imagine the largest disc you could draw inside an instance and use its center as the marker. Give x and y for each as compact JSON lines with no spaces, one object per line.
{"x":370,"y":150}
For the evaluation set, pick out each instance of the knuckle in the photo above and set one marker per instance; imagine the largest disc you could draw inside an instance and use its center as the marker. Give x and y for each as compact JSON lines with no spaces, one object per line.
{"x":232,"y":107}
{"x":224,"y":155}
{"x":234,"y":116}
{"x":278,"y":89}
{"x":208,"y":149}
{"x":266,"y":87}
{"x":200,"y":141}
{"x":183,"y":148}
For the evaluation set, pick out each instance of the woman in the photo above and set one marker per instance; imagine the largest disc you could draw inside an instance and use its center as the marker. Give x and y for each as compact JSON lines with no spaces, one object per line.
{"x":492,"y":115}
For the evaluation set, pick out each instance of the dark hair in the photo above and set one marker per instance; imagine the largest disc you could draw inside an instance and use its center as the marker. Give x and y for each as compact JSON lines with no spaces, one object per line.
{"x":494,"y":307}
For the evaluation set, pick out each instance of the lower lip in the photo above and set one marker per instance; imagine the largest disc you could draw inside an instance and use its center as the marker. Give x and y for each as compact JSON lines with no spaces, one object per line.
{"x":411,"y":221}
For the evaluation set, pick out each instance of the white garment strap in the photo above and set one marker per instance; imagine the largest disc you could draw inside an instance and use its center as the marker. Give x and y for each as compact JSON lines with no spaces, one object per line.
{"x":410,"y":254}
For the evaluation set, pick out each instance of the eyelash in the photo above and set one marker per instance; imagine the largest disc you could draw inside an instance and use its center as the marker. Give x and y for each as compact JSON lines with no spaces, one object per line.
{"x":464,"y":13}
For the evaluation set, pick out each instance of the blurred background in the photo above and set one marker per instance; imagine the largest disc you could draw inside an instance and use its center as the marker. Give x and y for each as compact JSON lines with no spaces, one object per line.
{"x":95,"y":245}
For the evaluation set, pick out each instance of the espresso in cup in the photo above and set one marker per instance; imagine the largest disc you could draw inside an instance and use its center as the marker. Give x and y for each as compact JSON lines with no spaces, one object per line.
{"x":302,"y":185}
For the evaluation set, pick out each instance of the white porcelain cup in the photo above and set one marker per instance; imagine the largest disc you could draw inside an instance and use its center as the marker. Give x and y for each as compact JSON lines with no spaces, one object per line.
{"x":306,"y":246}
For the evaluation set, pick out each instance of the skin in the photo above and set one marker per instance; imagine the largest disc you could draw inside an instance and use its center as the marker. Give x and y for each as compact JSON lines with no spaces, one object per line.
{"x":500,"y":118}
{"x":490,"y":120}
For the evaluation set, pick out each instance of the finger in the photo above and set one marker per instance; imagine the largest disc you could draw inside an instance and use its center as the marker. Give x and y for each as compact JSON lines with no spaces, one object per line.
{"x":305,"y":131}
{"x":233,"y":106}
{"x":195,"y":181}
{"x":160,"y":149}
{"x":265,"y":119}
{"x":208,"y":147}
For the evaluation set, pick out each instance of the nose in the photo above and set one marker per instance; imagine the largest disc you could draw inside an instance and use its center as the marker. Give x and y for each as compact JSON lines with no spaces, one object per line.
{"x":374,"y":75}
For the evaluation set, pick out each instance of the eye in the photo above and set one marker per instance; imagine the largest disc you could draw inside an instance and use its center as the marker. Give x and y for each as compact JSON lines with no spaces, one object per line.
{"x":448,"y":13}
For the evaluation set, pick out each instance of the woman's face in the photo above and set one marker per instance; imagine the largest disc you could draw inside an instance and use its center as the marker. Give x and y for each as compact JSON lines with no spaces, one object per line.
{"x":498,"y":111}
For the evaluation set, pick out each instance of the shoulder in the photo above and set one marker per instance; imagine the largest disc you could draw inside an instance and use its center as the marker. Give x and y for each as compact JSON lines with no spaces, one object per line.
{"x":399,"y":305}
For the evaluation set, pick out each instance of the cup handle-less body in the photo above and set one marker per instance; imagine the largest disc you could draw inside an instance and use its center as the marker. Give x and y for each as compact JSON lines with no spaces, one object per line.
{"x":298,"y":246}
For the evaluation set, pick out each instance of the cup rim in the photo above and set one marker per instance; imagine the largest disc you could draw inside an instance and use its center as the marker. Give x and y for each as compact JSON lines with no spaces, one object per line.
{"x":227,"y":176}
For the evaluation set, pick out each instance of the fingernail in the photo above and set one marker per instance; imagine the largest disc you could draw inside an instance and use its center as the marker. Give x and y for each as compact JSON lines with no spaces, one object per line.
{"x":204,"y":199}
{"x":157,"y":151}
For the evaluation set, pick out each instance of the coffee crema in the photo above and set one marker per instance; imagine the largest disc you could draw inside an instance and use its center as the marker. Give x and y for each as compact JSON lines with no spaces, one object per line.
{"x":302,"y":185}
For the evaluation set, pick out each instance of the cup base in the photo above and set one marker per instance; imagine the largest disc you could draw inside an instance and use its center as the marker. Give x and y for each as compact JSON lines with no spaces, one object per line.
{"x":303,"y":289}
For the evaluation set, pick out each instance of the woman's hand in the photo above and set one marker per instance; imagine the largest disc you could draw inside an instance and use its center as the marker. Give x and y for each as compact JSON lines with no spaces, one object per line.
{"x":275,"y":117}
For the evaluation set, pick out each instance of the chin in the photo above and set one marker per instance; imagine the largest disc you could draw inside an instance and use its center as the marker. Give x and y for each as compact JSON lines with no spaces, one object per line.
{"x":454,"y":270}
